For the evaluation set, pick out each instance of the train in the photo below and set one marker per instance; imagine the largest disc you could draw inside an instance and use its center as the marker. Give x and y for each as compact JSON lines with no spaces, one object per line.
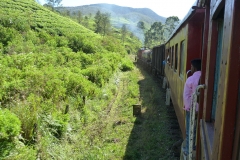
{"x":210,"y":31}
{"x":144,"y":55}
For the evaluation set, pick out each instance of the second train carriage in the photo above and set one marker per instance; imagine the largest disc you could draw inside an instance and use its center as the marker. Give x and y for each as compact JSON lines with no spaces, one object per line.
{"x":183,"y":45}
{"x":154,"y":58}
{"x":211,"y":32}
{"x":219,"y":122}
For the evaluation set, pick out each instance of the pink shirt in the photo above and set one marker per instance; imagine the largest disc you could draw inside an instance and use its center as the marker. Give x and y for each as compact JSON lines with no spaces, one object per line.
{"x":189,"y":88}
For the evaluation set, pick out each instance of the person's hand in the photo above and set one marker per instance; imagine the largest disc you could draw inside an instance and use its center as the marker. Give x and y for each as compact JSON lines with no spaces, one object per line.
{"x":196,"y":115}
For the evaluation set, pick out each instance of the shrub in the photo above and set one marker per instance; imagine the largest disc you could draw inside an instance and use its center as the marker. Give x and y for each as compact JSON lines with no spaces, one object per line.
{"x":44,"y":36}
{"x":112,"y":45}
{"x":98,"y":75}
{"x":126,"y":65}
{"x":9,"y":125}
{"x":22,"y":152}
{"x":7,"y":35}
{"x":56,"y":123}
{"x":1,"y":48}
{"x":88,"y":48}
{"x":86,"y":59}
{"x":28,"y":116}
{"x":9,"y":128}
{"x":75,"y":43}
{"x":61,"y":41}
{"x":19,"y":46}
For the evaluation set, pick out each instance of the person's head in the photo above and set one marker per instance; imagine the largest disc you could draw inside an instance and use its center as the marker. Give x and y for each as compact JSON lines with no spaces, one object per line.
{"x":195,"y":65}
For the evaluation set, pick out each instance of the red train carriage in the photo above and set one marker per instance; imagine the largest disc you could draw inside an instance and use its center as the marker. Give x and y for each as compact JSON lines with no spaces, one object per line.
{"x":144,"y":57}
{"x":139,"y":53}
{"x":147,"y":56}
{"x":211,"y":31}
{"x":143,"y":54}
{"x":218,"y":134}
{"x":184,"y":44}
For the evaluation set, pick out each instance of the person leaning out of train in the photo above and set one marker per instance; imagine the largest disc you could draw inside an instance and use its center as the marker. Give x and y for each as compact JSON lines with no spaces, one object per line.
{"x":189,"y":88}
{"x":168,"y":60}
{"x":163,"y":63}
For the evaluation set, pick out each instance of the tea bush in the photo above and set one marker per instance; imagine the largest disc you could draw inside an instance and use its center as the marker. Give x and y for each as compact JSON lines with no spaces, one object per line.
{"x":48,"y":62}
{"x":56,"y":124}
{"x":10,"y":127}
{"x":126,"y":65}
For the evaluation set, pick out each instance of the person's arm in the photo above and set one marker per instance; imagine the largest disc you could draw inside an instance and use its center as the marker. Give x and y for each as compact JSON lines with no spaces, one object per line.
{"x":187,"y":94}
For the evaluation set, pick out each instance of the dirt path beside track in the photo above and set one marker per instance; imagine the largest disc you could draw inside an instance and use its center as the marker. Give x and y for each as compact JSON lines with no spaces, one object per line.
{"x":156,"y":133}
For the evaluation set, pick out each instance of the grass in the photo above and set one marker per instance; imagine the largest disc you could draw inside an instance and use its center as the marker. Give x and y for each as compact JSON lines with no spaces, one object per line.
{"x":43,"y":72}
{"x":149,"y":138}
{"x":113,"y":132}
{"x":39,"y":82}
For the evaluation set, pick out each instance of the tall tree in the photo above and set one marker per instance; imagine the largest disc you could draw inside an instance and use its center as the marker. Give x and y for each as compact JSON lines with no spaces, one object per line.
{"x":54,"y":3}
{"x":90,"y":15}
{"x":170,"y":24}
{"x":74,"y":14}
{"x":155,"y":35}
{"x":124,"y":32}
{"x":102,"y":23}
{"x":148,"y":39}
{"x":97,"y":20}
{"x":86,"y":21}
{"x":68,"y":13}
{"x":106,"y":25}
{"x":141,"y":25}
{"x":79,"y":16}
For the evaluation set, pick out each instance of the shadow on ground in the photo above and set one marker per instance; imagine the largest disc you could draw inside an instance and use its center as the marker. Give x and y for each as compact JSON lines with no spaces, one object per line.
{"x":156,"y":133}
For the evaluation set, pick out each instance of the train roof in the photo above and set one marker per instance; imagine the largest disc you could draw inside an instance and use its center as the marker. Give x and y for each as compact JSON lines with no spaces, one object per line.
{"x":147,"y":50}
{"x":158,"y":46}
{"x":197,"y":5}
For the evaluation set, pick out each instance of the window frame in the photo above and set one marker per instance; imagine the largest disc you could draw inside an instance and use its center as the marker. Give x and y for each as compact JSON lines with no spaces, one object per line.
{"x":182,"y":59}
{"x":176,"y":58}
{"x":172,"y":55}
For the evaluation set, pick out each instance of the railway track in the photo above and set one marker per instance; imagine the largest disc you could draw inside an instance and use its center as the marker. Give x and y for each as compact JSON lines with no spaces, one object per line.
{"x":145,"y":130}
{"x":173,"y":129}
{"x":104,"y":115}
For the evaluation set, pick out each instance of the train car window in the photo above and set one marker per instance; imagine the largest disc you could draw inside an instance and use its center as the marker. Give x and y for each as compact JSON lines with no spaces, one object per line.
{"x":172,"y":54}
{"x":182,"y":56}
{"x":167,"y":56}
{"x":176,"y":58}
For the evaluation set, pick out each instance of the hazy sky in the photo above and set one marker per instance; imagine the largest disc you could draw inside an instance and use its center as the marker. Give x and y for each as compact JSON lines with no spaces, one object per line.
{"x":165,"y":8}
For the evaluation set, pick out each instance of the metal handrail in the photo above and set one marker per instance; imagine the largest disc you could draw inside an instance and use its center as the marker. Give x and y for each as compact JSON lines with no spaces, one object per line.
{"x":192,"y":118}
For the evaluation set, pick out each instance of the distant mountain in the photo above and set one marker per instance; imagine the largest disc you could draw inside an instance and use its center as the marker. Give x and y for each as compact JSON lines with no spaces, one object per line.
{"x":121,"y":15}
{"x":115,"y":10}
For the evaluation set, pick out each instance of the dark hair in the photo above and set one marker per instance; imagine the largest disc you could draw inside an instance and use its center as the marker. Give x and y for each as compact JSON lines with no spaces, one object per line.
{"x":196,"y":64}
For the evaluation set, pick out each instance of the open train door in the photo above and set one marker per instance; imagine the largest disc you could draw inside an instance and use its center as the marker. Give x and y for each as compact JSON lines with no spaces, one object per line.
{"x":220,"y":124}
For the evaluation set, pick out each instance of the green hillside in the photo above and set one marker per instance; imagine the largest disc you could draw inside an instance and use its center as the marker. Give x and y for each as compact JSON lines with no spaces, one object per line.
{"x":51,"y":69}
{"x":120,"y":15}
{"x":143,"y":14}
{"x":29,"y":16}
